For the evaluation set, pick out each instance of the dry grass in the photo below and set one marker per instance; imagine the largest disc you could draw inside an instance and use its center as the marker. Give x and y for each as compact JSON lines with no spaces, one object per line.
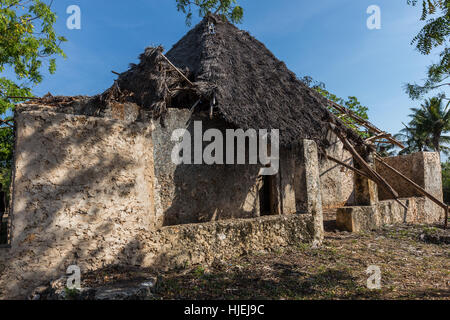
{"x":411,"y":269}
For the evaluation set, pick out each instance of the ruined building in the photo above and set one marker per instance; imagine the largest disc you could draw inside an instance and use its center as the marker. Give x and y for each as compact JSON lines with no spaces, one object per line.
{"x":94,"y":184}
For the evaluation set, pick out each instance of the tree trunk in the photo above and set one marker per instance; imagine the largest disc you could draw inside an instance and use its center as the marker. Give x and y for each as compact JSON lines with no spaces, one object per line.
{"x":436,"y":141}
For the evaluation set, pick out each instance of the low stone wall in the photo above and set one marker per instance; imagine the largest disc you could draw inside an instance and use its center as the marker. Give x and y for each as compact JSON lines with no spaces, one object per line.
{"x":169,"y":247}
{"x":388,"y":212}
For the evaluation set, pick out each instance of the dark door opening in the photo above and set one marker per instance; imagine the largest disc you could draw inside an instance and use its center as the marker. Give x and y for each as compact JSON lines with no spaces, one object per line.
{"x":267,"y":196}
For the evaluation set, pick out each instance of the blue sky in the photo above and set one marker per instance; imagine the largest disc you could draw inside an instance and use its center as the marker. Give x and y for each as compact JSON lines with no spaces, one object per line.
{"x":326,"y":39}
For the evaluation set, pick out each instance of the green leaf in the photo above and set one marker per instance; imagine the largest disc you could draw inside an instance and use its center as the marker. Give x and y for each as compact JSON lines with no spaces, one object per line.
{"x":225,"y":8}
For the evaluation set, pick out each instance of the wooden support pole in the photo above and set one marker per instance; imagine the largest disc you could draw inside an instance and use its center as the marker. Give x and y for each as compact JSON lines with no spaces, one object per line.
{"x":380,"y":136}
{"x":417,"y":187}
{"x":446,"y":219}
{"x":361,"y":173}
{"x":23,"y":98}
{"x":365,"y":123}
{"x":195,"y":104}
{"x":374,"y":175}
{"x":177,"y":70}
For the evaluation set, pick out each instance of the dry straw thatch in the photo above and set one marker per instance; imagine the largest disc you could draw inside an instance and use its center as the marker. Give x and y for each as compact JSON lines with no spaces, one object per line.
{"x":249,"y":86}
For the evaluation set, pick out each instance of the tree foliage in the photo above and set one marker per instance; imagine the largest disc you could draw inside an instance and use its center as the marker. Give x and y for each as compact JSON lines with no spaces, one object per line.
{"x":435,"y":34}
{"x":352,"y":103}
{"x":427,"y":128}
{"x":446,"y":181}
{"x":28,"y":43}
{"x":226,"y":8}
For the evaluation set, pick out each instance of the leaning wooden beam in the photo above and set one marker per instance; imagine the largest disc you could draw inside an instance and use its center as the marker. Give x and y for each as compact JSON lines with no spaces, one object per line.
{"x":379,"y":136}
{"x":7,"y":124}
{"x":395,"y":142}
{"x":3,"y":122}
{"x":23,"y":98}
{"x":365,"y":123}
{"x":195,"y":104}
{"x":177,"y":70}
{"x":355,"y":117}
{"x":372,"y":173}
{"x":361,"y":173}
{"x":374,"y":176}
{"x":417,"y":187}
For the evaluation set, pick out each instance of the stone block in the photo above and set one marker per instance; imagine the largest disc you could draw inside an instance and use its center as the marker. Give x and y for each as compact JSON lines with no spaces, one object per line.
{"x":356,"y":219}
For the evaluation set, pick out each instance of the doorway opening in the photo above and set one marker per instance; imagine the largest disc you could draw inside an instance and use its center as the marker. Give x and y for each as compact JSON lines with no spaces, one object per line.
{"x":268,"y":201}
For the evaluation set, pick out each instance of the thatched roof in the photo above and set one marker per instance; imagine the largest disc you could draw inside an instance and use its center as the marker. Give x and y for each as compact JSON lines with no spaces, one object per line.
{"x":250,"y":86}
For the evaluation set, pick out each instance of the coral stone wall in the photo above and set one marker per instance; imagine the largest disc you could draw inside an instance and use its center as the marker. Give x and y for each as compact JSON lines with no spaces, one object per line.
{"x":81,"y":195}
{"x":193,"y":193}
{"x":95,"y":192}
{"x":337,"y":182}
{"x":424,"y":168}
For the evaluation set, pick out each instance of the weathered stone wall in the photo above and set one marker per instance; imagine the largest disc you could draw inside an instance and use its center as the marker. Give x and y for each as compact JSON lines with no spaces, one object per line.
{"x":84,"y":193}
{"x":337,"y":183}
{"x":166,"y":248}
{"x":388,"y":212}
{"x":190,"y":193}
{"x":81,"y":192}
{"x":299,"y":181}
{"x":424,"y":168}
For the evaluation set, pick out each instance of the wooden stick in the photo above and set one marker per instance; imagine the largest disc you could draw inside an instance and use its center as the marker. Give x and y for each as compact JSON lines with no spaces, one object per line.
{"x":365,"y":123}
{"x":195,"y":104}
{"x":379,"y":180}
{"x":446,"y":219}
{"x":116,"y":73}
{"x":382,"y":135}
{"x":7,"y":123}
{"x":23,"y":98}
{"x":355,"y":117}
{"x":213,"y":103}
{"x":361,"y":173}
{"x":417,"y":187}
{"x":180,"y":89}
{"x":374,"y":175}
{"x":177,"y":70}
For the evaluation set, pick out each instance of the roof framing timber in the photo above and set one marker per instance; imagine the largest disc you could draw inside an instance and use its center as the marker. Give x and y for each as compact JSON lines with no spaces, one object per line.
{"x":369,"y":126}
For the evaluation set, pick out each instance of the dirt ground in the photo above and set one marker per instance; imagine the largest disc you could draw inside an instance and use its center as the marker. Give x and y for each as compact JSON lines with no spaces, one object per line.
{"x":414,"y":263}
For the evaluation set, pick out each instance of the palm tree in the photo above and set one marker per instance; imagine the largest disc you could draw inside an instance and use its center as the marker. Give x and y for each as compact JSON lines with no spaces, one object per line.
{"x":413,"y":138}
{"x":427,"y":128}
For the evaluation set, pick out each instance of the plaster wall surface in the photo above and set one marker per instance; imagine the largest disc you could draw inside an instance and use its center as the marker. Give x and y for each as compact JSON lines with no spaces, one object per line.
{"x":95,"y":192}
{"x":196,"y":193}
{"x":424,"y":168}
{"x":388,"y":212}
{"x":81,"y":192}
{"x":337,"y":183}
